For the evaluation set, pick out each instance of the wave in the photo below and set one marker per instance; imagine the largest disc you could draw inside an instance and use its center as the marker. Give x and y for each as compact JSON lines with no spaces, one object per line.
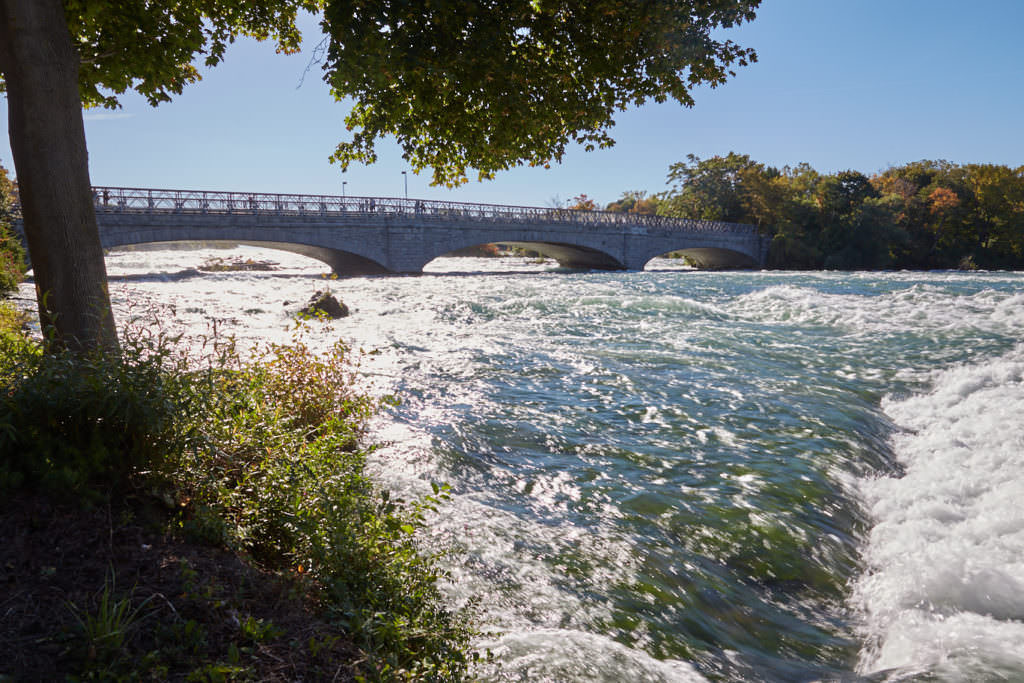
{"x":933,"y":307}
{"x":944,"y":588}
{"x":567,"y":655}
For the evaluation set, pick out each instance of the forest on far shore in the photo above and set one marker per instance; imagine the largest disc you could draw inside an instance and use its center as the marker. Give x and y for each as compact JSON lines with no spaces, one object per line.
{"x":922,"y":215}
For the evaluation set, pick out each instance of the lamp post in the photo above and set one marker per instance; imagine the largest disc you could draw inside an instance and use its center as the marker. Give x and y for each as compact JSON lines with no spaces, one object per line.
{"x":406,"y":177}
{"x":343,"y":184}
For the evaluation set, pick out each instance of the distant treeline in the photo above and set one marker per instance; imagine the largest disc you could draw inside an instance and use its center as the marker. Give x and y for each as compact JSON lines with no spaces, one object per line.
{"x":922,"y":215}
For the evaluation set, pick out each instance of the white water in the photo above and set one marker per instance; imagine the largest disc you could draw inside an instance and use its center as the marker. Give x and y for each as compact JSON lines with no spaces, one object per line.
{"x":944,"y":590}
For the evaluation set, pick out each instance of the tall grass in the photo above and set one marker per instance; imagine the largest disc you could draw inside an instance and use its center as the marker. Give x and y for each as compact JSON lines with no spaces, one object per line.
{"x":262,"y":454}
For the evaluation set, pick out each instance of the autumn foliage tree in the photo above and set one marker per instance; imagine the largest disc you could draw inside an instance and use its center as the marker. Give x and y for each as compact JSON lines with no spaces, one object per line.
{"x":924,"y":214}
{"x":461,"y":85}
{"x":635,"y":201}
{"x":582,"y":202}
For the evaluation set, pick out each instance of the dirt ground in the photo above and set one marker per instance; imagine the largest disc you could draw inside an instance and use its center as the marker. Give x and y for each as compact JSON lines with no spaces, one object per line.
{"x":195,"y":610}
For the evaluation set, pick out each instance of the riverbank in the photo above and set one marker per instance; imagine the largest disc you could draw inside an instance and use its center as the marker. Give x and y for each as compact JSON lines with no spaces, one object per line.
{"x":97,"y":593}
{"x":174,"y":516}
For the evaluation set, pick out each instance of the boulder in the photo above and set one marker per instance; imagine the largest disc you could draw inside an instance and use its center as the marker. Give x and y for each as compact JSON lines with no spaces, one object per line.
{"x":323,"y":303}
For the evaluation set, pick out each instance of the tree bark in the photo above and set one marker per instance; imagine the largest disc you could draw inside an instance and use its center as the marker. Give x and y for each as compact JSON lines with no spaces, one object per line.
{"x":40,"y":67}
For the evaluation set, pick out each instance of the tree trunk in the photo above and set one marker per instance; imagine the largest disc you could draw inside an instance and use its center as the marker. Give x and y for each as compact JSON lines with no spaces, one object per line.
{"x":40,"y":68}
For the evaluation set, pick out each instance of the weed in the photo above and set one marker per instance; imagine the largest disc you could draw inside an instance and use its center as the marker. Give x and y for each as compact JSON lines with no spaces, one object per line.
{"x":106,"y":628}
{"x":258,"y":630}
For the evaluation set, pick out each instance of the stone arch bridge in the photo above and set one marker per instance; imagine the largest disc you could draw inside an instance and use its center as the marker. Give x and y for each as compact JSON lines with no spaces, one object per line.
{"x":373,"y":235}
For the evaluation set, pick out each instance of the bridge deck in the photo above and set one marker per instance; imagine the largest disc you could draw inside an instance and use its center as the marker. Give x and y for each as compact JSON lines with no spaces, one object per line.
{"x":389,"y":234}
{"x":127,"y":199}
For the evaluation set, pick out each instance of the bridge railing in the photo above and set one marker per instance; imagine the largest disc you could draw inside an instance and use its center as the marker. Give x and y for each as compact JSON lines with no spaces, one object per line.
{"x":145,"y":200}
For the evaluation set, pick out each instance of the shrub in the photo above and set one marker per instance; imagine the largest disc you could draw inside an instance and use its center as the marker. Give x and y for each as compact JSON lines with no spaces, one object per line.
{"x":283,"y":468}
{"x":262,"y":456}
{"x":12,"y":253}
{"x":84,"y":425}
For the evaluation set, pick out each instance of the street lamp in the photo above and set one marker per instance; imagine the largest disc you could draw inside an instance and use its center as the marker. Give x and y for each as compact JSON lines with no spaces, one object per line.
{"x":343,"y":184}
{"x":406,"y":177}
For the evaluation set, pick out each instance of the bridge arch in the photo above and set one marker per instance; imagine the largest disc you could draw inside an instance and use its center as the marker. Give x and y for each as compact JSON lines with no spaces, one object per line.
{"x":339,"y":261}
{"x":711,"y":258}
{"x":568,"y":254}
{"x":715,"y":249}
{"x":343,"y":257}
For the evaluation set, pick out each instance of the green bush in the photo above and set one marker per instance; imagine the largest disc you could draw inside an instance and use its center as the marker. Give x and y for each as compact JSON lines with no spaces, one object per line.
{"x":13,"y":326}
{"x":12,"y":253}
{"x":12,"y":260}
{"x":84,"y":425}
{"x":262,"y":455}
{"x":283,"y":468}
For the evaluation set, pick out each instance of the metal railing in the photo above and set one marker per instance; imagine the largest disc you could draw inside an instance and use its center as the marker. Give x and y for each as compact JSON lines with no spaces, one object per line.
{"x":148,"y":200}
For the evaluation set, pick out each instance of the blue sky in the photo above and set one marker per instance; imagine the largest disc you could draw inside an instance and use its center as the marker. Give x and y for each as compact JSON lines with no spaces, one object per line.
{"x":840,"y":84}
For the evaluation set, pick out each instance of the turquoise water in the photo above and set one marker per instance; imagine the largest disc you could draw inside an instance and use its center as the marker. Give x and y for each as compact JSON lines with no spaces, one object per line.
{"x":675,"y":475}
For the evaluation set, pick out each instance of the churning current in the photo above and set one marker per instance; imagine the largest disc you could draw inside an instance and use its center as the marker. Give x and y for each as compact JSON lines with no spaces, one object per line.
{"x":675,"y":475}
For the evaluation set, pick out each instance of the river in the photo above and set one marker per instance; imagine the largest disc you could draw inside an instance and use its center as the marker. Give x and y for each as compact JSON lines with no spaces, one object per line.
{"x":675,"y":475}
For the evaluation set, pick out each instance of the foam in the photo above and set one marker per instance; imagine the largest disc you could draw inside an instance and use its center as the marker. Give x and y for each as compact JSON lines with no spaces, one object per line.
{"x":944,"y":586}
{"x":933,"y":306}
{"x":567,"y":655}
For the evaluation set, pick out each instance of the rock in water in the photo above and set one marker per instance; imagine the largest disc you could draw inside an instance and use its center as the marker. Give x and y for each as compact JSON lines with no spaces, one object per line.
{"x":323,"y":303}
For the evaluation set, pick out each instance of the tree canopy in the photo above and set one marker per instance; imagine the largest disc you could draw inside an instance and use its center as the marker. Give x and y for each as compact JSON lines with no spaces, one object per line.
{"x":461,"y":85}
{"x":490,"y":85}
{"x":152,"y":47}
